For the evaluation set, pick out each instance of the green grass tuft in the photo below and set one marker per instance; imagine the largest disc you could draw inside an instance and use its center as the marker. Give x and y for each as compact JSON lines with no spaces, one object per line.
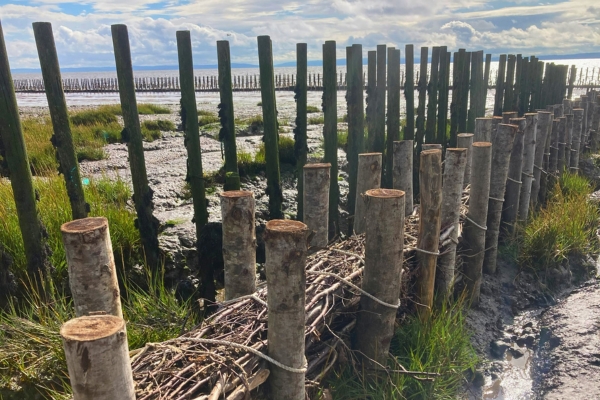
{"x":204,"y":113}
{"x":208,"y":119}
{"x":143,"y":109}
{"x":312,"y":109}
{"x":316,"y":120}
{"x":93,"y":117}
{"x":159,"y":125}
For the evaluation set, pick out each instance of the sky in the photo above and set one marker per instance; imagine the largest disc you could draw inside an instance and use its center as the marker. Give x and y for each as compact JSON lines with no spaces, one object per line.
{"x":83,"y":36}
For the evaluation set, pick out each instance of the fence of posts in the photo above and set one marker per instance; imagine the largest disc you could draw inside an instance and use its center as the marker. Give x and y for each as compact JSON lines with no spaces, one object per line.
{"x":509,"y":83}
{"x":300,"y":138}
{"x":62,"y":139}
{"x":465,"y":141}
{"x":444,"y":83}
{"x":499,"y":96}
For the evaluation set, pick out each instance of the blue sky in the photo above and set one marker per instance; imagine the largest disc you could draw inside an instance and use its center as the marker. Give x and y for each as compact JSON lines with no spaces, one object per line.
{"x":82,"y":28}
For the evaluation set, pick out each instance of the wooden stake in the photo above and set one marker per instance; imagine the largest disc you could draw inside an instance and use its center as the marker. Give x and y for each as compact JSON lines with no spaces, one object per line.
{"x":578,"y":114}
{"x":422,"y":86}
{"x":432,"y":91}
{"x":379,"y":113}
{"x":483,"y":129}
{"x":562,"y":143}
{"x":529,"y":144}
{"x":300,"y":137}
{"x":507,"y":116}
{"x":508,"y":86}
{"x":403,"y":171}
{"x":499,"y":96}
{"x":393,"y":114}
{"x":513,"y":180}
{"x":316,"y":200}
{"x":444,"y":83}
{"x":544,"y":126}
{"x":368,"y":177}
{"x":371,"y":99}
{"x":409,"y":92}
{"x":465,"y":141}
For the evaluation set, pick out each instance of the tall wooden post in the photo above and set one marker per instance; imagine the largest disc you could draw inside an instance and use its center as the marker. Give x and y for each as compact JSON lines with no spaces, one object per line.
{"x":316,"y":200}
{"x":509,"y":86}
{"x":465,"y":141}
{"x":403,"y":171}
{"x":432,"y":91}
{"x":300,"y":138}
{"x":422,"y":86}
{"x":542,"y":138}
{"x":512,"y":192}
{"x":330,"y":131}
{"x":393,"y":114}
{"x":444,"y":82}
{"x":527,"y":173}
{"x":577,"y":133}
{"x":371,"y":99}
{"x":369,"y":177}
{"x":409,"y":92}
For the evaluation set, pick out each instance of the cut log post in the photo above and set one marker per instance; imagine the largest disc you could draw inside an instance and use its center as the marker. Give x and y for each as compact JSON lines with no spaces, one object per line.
{"x":330,"y":132}
{"x":567,"y":106}
{"x":384,"y":241}
{"x":513,"y":180}
{"x":568,"y":140}
{"x":380,"y":91}
{"x":496,"y":120}
{"x":483,"y":129}
{"x":403,"y":172}
{"x":501,"y":150}
{"x":239,"y":243}
{"x":553,"y":159}
{"x":578,"y":115}
{"x":98,"y":358}
{"x":286,"y":248}
{"x":465,"y":141}
{"x":562,"y":144}
{"x":91,"y":266}
{"x":508,"y":115}
{"x":368,"y":177}
{"x":430,"y":176}
{"x":62,"y":139}
{"x":316,"y":200}
{"x":544,"y":126}
{"x":452,"y":189}
{"x":527,"y":176}
{"x":474,"y":228}
{"x":431,"y":146}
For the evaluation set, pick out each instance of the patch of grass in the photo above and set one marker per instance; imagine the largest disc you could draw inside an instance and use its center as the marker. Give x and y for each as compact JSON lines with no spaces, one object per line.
{"x":286,"y":151}
{"x":208,"y":119}
{"x":159,"y":125}
{"x":143,"y":109}
{"x":259,"y":104}
{"x":312,"y":109}
{"x":93,"y":117}
{"x":342,"y":139}
{"x":249,"y":165}
{"x":343,"y":118}
{"x":203,"y":113}
{"x":316,"y":120}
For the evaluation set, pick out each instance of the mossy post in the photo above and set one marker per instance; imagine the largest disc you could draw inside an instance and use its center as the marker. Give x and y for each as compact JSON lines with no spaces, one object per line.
{"x":544,"y":126}
{"x":300,"y":138}
{"x":62,"y":140}
{"x":368,"y":177}
{"x":499,"y":96}
{"x":384,"y":242}
{"x":14,"y":152}
{"x":269,"y":110}
{"x":146,"y":223}
{"x":393,"y":114}
{"x":512,"y":192}
{"x":226,"y":115}
{"x":356,"y":121}
{"x":475,"y":224}
{"x":316,"y":200}
{"x":430,"y":176}
{"x":330,"y":131}
{"x":409,"y":91}
{"x":371,"y":99}
{"x":422,"y":87}
{"x":403,"y":171}
{"x":432,"y":91}
{"x":527,"y":176}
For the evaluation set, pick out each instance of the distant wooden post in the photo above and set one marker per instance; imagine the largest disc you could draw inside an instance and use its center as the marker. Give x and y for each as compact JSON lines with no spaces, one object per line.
{"x":316,"y":201}
{"x":464,"y":99}
{"x":444,"y":82}
{"x":476,"y":78}
{"x":371,"y":99}
{"x":147,"y":224}
{"x":409,"y":92}
{"x":91,"y":265}
{"x":540,"y":173}
{"x":576,"y":142}
{"x":512,"y":192}
{"x":369,"y":177}
{"x":483,"y":129}
{"x":62,"y":139}
{"x":465,"y":141}
{"x":97,"y":358}
{"x":562,"y":144}
{"x":14,"y":152}
{"x":382,"y":276}
{"x":420,"y":123}
{"x":509,"y":87}
{"x":430,"y":176}
{"x":379,"y":113}
{"x":403,"y":171}
{"x":527,"y":174}
{"x":269,"y":110}
{"x":393,"y":114}
{"x":286,"y":248}
{"x":432,"y":91}
{"x":454,"y":105}
{"x":300,"y":138}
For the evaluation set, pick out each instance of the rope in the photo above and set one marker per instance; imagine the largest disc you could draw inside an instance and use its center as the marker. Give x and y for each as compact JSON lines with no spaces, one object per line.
{"x":497,"y":199}
{"x":512,"y":180}
{"x":540,"y":169}
{"x":353,"y":286}
{"x":483,"y":228}
{"x":552,"y":147}
{"x":528,"y":175}
{"x":564,"y":144}
{"x":437,"y":253}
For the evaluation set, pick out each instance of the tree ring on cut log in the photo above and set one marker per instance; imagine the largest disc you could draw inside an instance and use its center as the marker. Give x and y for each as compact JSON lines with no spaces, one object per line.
{"x":90,"y":328}
{"x":384,"y":193}
{"x":84,"y":225}
{"x":236,"y":193}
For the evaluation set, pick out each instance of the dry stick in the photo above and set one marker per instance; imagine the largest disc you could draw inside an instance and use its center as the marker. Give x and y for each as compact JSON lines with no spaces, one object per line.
{"x":14,"y":152}
{"x":513,"y":181}
{"x":239,"y":243}
{"x":300,"y":138}
{"x":368,"y":177}
{"x":578,"y":114}
{"x":62,"y":139}
{"x":483,"y":129}
{"x":527,"y":172}
{"x":542,"y":137}
{"x":330,"y":132}
{"x":465,"y":141}
{"x":286,"y":247}
{"x":91,"y":265}
{"x":316,"y":198}
{"x":568,"y":139}
{"x":403,"y":172}
{"x":474,"y":231}
{"x":430,"y":176}
{"x":147,"y":224}
{"x":562,"y":137}
{"x":454,"y":174}
{"x":98,"y":358}
{"x":384,"y":241}
{"x":502,"y":147}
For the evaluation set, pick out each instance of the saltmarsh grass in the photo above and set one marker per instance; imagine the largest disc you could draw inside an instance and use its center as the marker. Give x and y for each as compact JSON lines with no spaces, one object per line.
{"x":143,"y":109}
{"x":312,"y":109}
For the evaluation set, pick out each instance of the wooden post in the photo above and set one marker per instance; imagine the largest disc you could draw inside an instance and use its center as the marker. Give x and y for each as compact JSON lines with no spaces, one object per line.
{"x":486,"y":84}
{"x":464,"y":100}
{"x":508,"y":87}
{"x":98,"y":358}
{"x":379,"y":113}
{"x":316,"y":200}
{"x":14,"y":152}
{"x":384,"y":241}
{"x":269,"y":111}
{"x":513,"y":180}
{"x":562,"y":144}
{"x":286,"y":247}
{"x":474,"y":230}
{"x":146,"y":223}
{"x":576,"y":142}
{"x":432,"y":91}
{"x":454,"y":173}
{"x":507,"y":116}
{"x":330,"y":132}
{"x":476,"y":77}
{"x":465,"y":141}
{"x":431,"y":146}
{"x":393,"y":114}
{"x":502,"y":146}
{"x":553,"y":159}
{"x":483,"y":129}
{"x":409,"y":92}
{"x":529,"y":144}
{"x":403,"y":172}
{"x":368,"y":177}
{"x":227,"y":116}
{"x":499,"y":96}
{"x":239,"y":243}
{"x":371,"y":99}
{"x":457,"y":88}
{"x":542,"y":140}
{"x":300,"y":136}
{"x":62,"y":139}
{"x":444,"y":84}
{"x":91,"y":265}
{"x":422,"y":86}
{"x":430,"y":176}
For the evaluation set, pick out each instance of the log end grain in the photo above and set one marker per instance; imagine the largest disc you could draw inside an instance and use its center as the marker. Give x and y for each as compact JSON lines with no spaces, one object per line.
{"x":84,"y":225}
{"x":91,"y":328}
{"x":318,"y":166}
{"x":286,"y":226}
{"x":384,"y":193}
{"x":235,"y":194}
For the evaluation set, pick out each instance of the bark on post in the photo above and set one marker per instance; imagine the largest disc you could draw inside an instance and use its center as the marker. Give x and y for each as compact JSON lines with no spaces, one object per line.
{"x":465,"y":141}
{"x":300,"y":138}
{"x":562,"y":144}
{"x":502,"y":147}
{"x":527,"y":172}
{"x":403,"y":172}
{"x":379,"y":139}
{"x":513,"y":180}
{"x":409,"y":92}
{"x":239,"y":243}
{"x":330,"y":132}
{"x":483,"y":129}
{"x":14,"y":152}
{"x":454,"y":174}
{"x":286,"y":247}
{"x":371,"y":99}
{"x":146,"y":223}
{"x":368,"y":177}
{"x":382,"y":275}
{"x":578,"y":114}
{"x":495,"y":122}
{"x":474,"y":227}
{"x":393,"y":114}
{"x":62,"y":139}
{"x":432,"y":92}
{"x":269,"y":110}
{"x":98,"y":358}
{"x":91,"y":265}
{"x":568,"y":139}
{"x":430,"y":176}
{"x":544,"y":126}
{"x":499,"y":95}
{"x":422,"y":86}
{"x":316,"y":199}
